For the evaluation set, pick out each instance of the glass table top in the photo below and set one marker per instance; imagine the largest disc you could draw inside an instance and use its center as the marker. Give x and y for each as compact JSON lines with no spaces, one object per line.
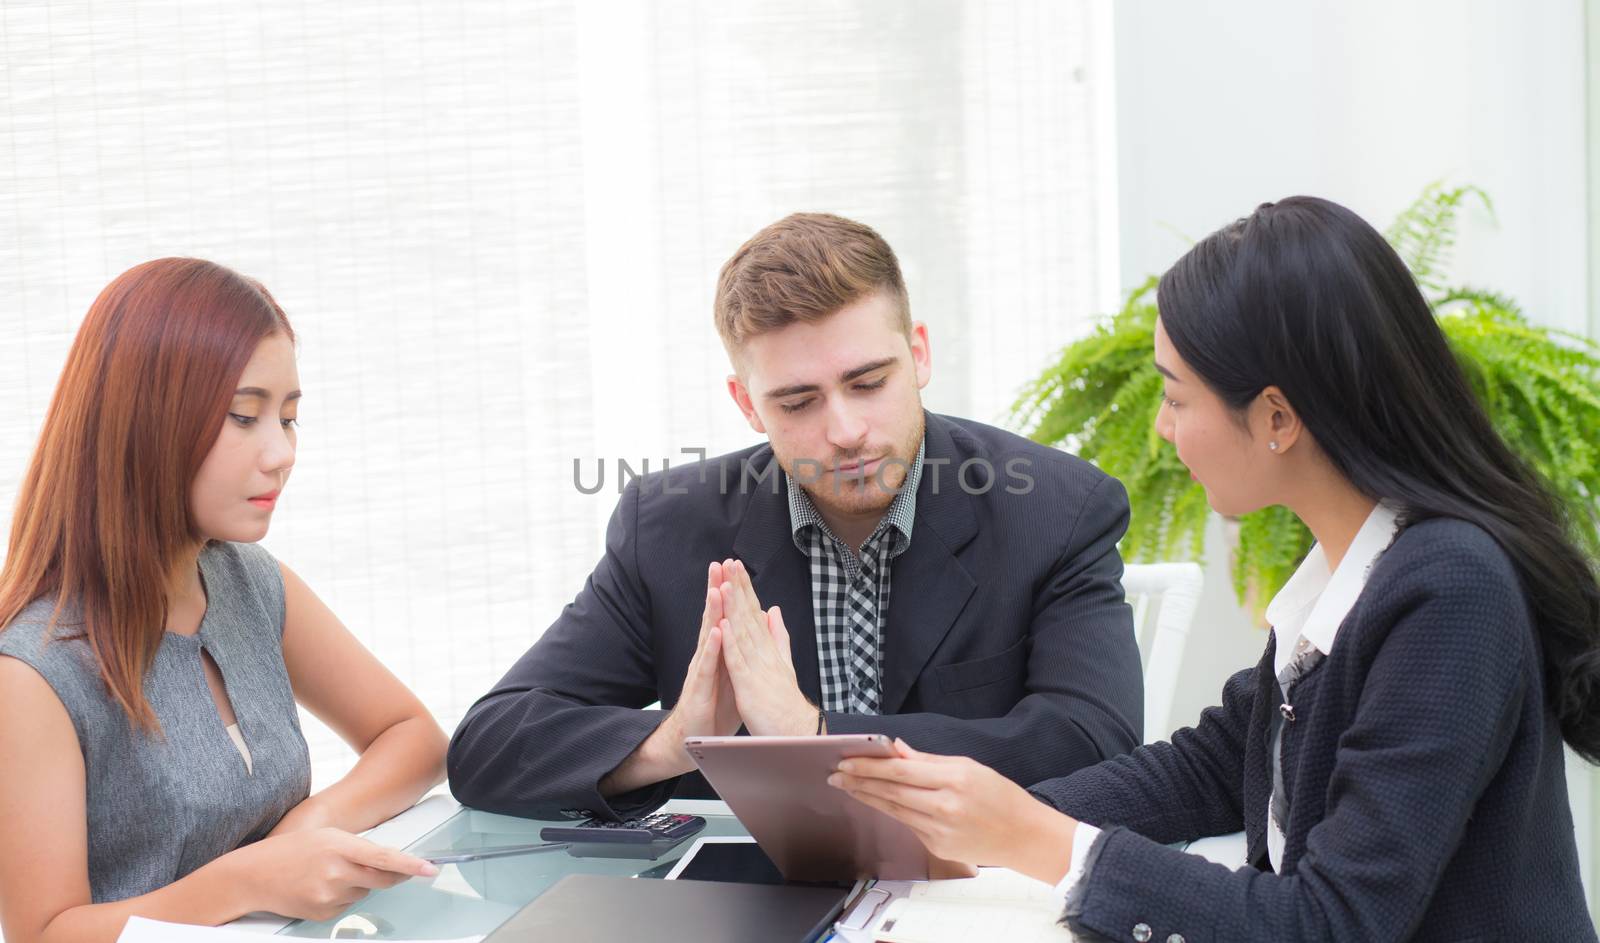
{"x":475,"y":897}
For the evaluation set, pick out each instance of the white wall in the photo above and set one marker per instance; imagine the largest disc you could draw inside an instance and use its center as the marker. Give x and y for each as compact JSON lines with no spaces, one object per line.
{"x":1223,"y":106}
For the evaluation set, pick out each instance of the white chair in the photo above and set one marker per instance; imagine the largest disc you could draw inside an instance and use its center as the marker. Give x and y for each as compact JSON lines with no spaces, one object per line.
{"x":1164,"y":597}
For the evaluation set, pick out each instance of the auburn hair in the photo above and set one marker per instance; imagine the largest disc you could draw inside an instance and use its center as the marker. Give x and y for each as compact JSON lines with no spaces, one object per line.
{"x":103,"y":515}
{"x":804,"y":267}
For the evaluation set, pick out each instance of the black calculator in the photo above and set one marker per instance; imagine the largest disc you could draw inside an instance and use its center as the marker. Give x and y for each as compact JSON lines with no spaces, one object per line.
{"x":658,"y":827}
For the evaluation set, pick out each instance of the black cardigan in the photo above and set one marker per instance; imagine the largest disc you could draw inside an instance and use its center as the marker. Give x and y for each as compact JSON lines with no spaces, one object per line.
{"x":1424,"y":769}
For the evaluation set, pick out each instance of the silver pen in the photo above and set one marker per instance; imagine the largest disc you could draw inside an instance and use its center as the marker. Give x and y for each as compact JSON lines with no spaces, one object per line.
{"x":497,"y":851}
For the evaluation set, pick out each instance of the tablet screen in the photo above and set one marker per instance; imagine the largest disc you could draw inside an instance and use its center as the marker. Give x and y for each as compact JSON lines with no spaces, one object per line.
{"x":734,"y":860}
{"x":741,"y":862}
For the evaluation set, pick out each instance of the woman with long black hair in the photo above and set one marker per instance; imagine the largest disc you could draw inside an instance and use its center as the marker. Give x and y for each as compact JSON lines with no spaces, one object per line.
{"x":1395,"y":759}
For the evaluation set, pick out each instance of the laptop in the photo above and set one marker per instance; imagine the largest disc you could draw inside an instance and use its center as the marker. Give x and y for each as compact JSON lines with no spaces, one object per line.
{"x":582,"y":908}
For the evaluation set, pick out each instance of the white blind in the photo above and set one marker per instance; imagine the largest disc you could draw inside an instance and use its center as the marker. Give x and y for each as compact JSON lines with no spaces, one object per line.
{"x":496,"y":228}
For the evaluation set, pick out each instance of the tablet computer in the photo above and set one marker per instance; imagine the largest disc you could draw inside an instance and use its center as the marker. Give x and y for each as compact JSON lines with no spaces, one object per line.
{"x":778,"y":788}
{"x":735,"y":858}
{"x":598,"y":908}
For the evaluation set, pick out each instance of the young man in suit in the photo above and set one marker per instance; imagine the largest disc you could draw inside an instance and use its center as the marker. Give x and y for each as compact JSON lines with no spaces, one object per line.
{"x":872,"y":568}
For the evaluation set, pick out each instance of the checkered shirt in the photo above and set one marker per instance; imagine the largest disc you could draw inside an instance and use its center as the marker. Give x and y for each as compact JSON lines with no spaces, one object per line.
{"x":850,"y":594}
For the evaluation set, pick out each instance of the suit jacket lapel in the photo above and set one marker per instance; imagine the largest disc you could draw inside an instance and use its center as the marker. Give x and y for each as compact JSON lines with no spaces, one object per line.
{"x":1258,"y":759}
{"x":928,"y":585}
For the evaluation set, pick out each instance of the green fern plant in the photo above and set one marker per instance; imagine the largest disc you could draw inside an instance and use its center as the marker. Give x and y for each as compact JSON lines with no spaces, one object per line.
{"x":1541,"y":388}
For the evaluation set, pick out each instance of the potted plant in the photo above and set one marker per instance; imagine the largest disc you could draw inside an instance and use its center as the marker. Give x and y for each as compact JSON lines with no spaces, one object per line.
{"x":1541,"y":388}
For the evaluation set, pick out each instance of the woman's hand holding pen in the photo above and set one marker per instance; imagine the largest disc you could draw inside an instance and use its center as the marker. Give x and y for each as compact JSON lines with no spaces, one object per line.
{"x":316,"y":874}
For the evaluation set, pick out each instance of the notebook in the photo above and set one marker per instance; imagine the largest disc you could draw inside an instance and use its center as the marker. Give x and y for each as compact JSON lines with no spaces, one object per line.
{"x":996,"y":905}
{"x":601,"y":908}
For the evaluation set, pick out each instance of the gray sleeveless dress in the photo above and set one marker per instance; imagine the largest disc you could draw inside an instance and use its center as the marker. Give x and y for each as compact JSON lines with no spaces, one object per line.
{"x":161,"y":806}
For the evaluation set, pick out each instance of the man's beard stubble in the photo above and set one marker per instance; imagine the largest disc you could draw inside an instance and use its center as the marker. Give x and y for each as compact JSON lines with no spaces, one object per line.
{"x":856,"y":494}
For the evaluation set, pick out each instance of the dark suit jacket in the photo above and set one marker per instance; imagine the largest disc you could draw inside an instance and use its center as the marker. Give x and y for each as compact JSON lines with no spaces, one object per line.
{"x":1427,"y":794}
{"x":1007,"y":637}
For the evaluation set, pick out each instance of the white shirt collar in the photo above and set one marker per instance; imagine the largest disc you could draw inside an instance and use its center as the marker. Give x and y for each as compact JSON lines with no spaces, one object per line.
{"x":1314,"y":602}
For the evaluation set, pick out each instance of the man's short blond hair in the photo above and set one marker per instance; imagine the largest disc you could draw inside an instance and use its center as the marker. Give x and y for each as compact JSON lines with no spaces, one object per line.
{"x":804,"y":267}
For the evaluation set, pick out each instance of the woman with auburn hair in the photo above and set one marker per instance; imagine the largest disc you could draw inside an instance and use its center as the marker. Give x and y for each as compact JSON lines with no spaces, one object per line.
{"x":1395,"y":759}
{"x":151,"y":654}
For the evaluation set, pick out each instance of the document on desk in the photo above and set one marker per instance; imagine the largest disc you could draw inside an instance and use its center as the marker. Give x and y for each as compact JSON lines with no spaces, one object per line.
{"x":996,"y":905}
{"x":141,"y":930}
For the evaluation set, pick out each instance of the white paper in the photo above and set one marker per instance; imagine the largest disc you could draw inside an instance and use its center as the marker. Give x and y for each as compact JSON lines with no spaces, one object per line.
{"x":141,"y":930}
{"x":415,"y":822}
{"x":992,"y":885}
{"x":944,"y":920}
{"x":997,"y":904}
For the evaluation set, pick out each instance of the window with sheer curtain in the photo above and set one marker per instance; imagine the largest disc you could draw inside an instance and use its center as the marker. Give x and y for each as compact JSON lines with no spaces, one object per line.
{"x":496,"y":228}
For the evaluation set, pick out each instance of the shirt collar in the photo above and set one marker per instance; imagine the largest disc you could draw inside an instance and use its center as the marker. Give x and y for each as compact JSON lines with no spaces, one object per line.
{"x":901,"y":514}
{"x":1314,"y":603}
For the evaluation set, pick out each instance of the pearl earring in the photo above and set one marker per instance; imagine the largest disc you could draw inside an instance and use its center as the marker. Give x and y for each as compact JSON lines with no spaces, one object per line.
{"x":1273,"y":446}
